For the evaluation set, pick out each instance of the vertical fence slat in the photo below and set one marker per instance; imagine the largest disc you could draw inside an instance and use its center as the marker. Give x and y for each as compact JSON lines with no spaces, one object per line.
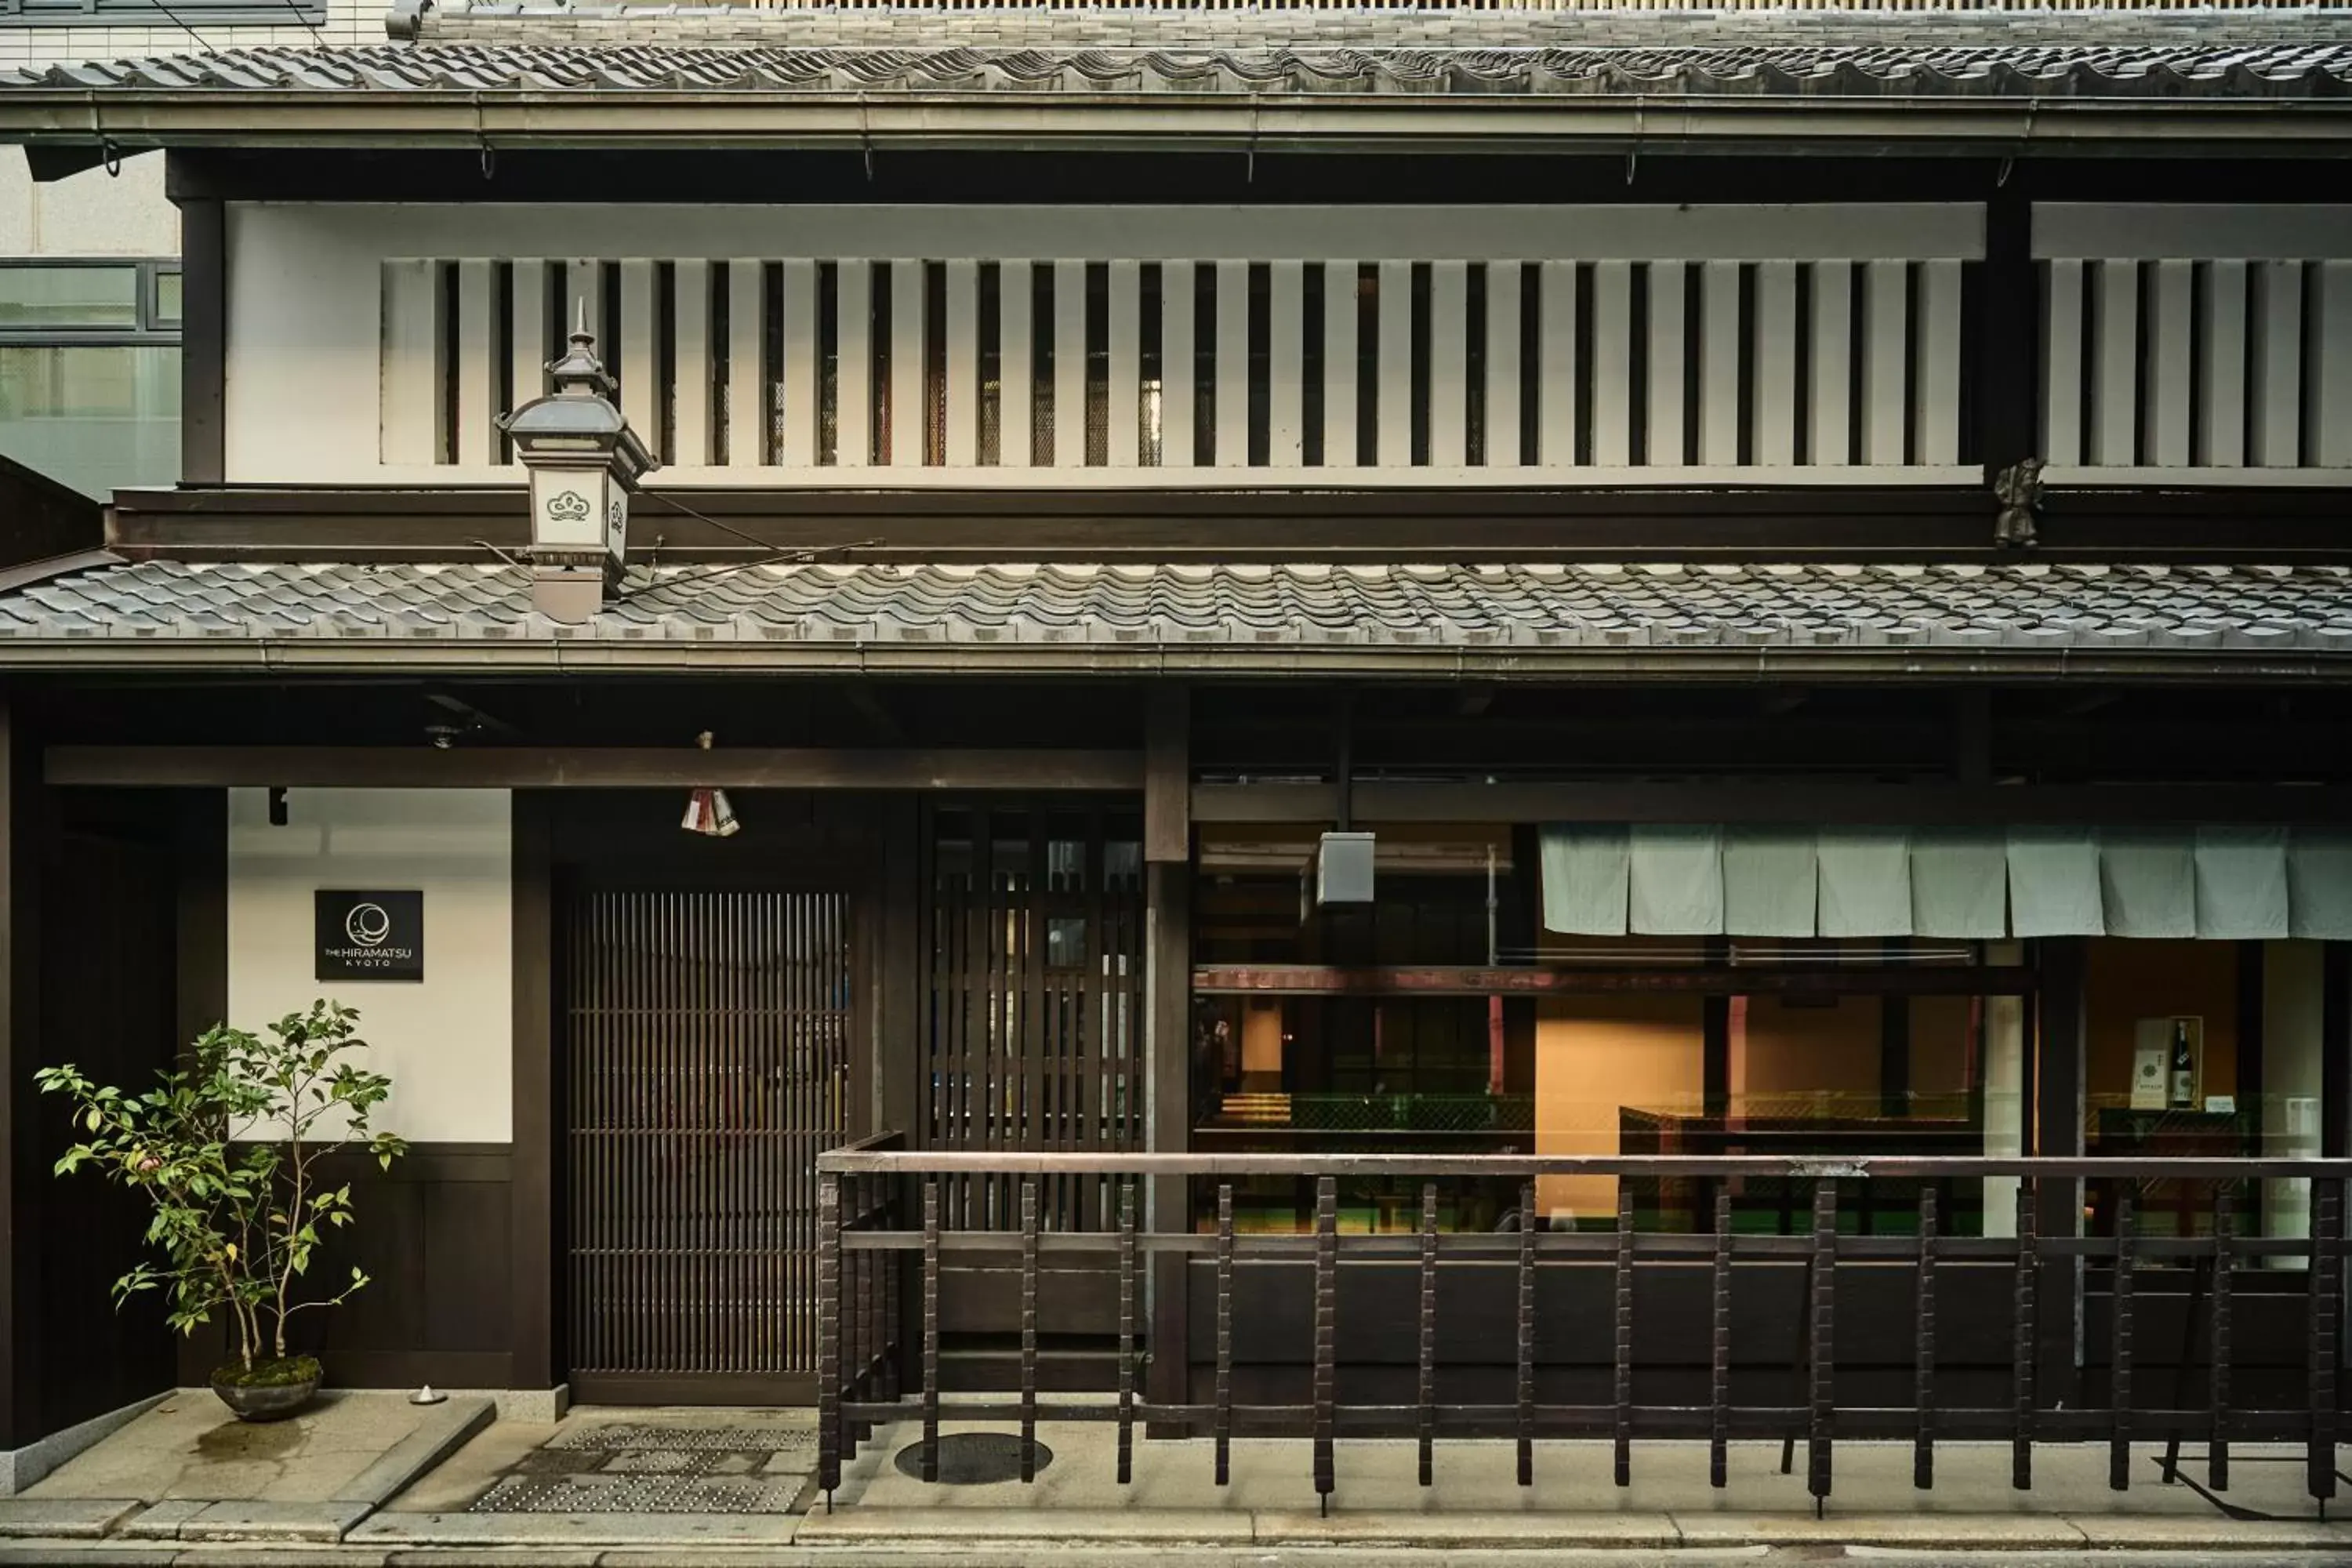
{"x":1936,"y":406}
{"x":1340,"y":364}
{"x":2325,"y":1287}
{"x":1720,"y":348}
{"x":1029,"y":1330}
{"x":909,"y":409}
{"x":1326,"y":1333}
{"x":2022,"y":1344}
{"x":1395,"y":403}
{"x":1829,"y":434}
{"x":1127,"y":1261}
{"x":528,"y":350}
{"x":1125,"y":369}
{"x":2171,"y":384}
{"x":2114,"y":387}
{"x":1560,"y":370}
{"x":690,"y":336}
{"x":1613,"y":365}
{"x":1524,"y":1387}
{"x":2217,"y":1447}
{"x":1503,"y":375}
{"x":1776,"y":395}
{"x":931,"y":1329}
{"x":2061,"y":359}
{"x":852,"y":373}
{"x":1622,"y":1359}
{"x":1821,"y":1428}
{"x":2119,"y":1366}
{"x":797,"y":398}
{"x":1222,"y":1420}
{"x":828,"y":1334}
{"x":1016,"y":372}
{"x":2221,"y":372}
{"x":1426,"y":1385}
{"x":962,"y":447}
{"x":478,"y":364}
{"x":1230,"y":411}
{"x":748,"y":441}
{"x":639,"y":355}
{"x":1886,"y":362}
{"x":1923,"y":1396}
{"x":1069,"y":363}
{"x":2330,"y":374}
{"x":1178,"y":345}
{"x":412,"y":386}
{"x":1665,"y":367}
{"x":1718,"y":1441}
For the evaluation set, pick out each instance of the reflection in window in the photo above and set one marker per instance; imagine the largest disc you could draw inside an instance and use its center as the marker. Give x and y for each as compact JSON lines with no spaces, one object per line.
{"x":56,"y":298}
{"x":97,"y":417}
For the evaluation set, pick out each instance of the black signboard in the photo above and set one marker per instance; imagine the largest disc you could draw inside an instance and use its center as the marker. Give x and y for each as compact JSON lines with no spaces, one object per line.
{"x":371,"y":936}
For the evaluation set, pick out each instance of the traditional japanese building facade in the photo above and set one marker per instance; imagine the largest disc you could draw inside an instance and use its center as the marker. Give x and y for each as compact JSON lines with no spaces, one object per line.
{"x":1800,"y":559}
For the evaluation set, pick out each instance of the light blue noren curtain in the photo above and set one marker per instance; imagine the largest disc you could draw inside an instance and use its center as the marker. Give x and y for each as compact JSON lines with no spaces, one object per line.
{"x":2319,"y":883}
{"x":2053,"y":882}
{"x":1959,"y":882}
{"x":1677,"y":881}
{"x":2147,"y":881}
{"x":1866,"y":881}
{"x":1768,"y":882}
{"x":1584,"y":878}
{"x":2241,"y":883}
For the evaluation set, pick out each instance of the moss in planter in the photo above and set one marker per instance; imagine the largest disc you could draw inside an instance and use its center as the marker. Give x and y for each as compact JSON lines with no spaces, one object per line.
{"x":280,"y":1372}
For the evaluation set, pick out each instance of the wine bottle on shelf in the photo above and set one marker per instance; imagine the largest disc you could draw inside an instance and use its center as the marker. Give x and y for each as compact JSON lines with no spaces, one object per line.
{"x":2181,"y":1086}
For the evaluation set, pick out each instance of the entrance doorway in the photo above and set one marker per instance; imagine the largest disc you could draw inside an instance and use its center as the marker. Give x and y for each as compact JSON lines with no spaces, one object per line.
{"x":705,"y":1038}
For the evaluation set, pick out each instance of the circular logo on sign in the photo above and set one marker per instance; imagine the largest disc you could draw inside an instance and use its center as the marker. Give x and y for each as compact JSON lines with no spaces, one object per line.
{"x":367,"y":924}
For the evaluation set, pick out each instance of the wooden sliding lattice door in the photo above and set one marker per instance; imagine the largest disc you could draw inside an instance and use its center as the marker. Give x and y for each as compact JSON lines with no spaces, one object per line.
{"x":1032,"y":1016}
{"x":705,"y":1049}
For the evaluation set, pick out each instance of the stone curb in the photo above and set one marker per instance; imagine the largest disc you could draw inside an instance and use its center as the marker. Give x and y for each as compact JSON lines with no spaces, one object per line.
{"x":441,"y":1434}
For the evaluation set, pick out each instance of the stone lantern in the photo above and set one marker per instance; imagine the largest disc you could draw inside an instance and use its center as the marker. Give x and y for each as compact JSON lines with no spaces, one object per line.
{"x":584,"y":462}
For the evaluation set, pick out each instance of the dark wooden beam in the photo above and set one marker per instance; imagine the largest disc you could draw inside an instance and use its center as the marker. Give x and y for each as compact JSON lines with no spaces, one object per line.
{"x":2055,"y":1120}
{"x":1793,"y":801}
{"x":20,"y":1208}
{"x":1462,"y":980}
{"x":1167,"y":775}
{"x":204,"y":343}
{"x":2336,"y":1050}
{"x":533,"y":1300}
{"x":2008,"y":339}
{"x":613,"y":767}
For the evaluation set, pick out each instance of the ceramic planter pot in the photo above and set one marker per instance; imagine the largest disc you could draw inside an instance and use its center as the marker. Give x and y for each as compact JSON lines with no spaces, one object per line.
{"x":273,"y":1398}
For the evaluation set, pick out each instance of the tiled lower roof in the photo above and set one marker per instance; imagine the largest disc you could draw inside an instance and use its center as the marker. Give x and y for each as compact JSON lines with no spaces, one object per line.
{"x":1273,"y":608}
{"x":2088,"y":67}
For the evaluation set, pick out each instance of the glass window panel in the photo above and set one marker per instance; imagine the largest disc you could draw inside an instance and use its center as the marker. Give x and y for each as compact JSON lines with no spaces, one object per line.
{"x":168,"y":294}
{"x":96,"y":418}
{"x":68,"y":297}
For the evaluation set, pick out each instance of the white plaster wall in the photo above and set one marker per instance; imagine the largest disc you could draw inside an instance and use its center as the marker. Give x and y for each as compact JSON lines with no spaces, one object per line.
{"x":447,"y":1042}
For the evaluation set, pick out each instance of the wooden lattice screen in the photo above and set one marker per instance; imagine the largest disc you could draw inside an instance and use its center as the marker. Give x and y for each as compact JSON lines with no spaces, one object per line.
{"x":1032,"y":1018}
{"x":706,"y":1041}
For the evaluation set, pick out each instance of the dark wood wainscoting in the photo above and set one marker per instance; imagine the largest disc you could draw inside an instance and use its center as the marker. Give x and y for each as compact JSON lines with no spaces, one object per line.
{"x":434,"y":1235}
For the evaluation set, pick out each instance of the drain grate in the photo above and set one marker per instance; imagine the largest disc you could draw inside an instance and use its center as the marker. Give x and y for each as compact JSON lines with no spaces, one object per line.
{"x":640,"y":1493}
{"x":609,"y":1437}
{"x":973,"y":1459}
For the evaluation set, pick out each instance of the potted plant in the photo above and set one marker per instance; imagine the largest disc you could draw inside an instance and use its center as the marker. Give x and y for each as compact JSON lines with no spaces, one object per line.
{"x":229,"y":1149}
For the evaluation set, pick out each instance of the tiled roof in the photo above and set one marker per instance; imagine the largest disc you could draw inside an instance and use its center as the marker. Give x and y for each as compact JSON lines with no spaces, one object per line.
{"x":1274,"y":608}
{"x":2203,"y":68}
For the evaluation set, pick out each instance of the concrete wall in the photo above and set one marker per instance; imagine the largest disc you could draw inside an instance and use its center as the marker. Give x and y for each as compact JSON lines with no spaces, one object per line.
{"x":447,"y":1041}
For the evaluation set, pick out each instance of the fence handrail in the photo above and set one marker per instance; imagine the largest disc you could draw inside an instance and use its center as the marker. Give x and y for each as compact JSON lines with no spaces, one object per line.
{"x":863,"y":1160}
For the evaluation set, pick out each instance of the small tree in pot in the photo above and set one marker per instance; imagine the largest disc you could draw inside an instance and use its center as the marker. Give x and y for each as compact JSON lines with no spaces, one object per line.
{"x":227,"y":1149}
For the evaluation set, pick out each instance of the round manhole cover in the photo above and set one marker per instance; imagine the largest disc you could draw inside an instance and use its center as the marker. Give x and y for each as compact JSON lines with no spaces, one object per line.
{"x":973,"y":1459}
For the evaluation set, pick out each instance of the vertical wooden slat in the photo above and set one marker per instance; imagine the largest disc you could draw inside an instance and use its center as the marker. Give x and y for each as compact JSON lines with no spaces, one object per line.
{"x":909,"y":409}
{"x":1886,"y":362}
{"x":2171,"y":352}
{"x":1285,"y":358}
{"x":1425,"y":1384}
{"x":2114,"y":339}
{"x":1523,"y":1383}
{"x":2322,"y":1335}
{"x":1341,"y":366}
{"x":1029,"y":1330}
{"x":413,"y":384}
{"x":1126,"y":1272}
{"x":640,"y":349}
{"x":1326,"y":1334}
{"x":748,"y":437}
{"x":1923,"y":1384}
{"x":583,"y":303}
{"x":2217,"y":1448}
{"x":2220,"y":419}
{"x":853,"y":376}
{"x":930,"y":1460}
{"x":2024,"y":1338}
{"x":1719,"y":1442}
{"x":1177,"y":347}
{"x":963,"y":349}
{"x":797,"y":398}
{"x":1396,"y":409}
{"x":2119,"y":1366}
{"x":1819,"y":1447}
{"x":690,"y":336}
{"x":1230,"y":412}
{"x":1612,"y":361}
{"x":1721,"y":332}
{"x":828,"y":1335}
{"x":528,"y":350}
{"x":1829,"y":425}
{"x":478,"y":353}
{"x":2061,"y":351}
{"x":1221,"y":1422}
{"x":1069,"y":364}
{"x":1776,"y":394}
{"x":1503,"y":371}
{"x":1449,"y":349}
{"x":1665,"y":367}
{"x":1936,"y":404}
{"x":1621,"y":1343}
{"x":2329,"y":419}
{"x":2277,"y":365}
{"x":1560,"y":369}
{"x":1125,"y":339}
